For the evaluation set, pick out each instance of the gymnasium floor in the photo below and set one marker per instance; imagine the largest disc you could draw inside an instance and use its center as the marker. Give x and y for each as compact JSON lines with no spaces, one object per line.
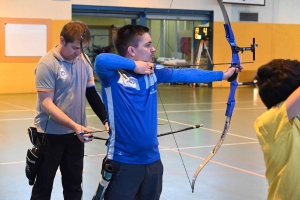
{"x":236,"y":172}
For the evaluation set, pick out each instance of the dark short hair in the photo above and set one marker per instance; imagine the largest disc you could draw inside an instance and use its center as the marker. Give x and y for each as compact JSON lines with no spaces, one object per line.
{"x":128,"y":35}
{"x":74,"y":30}
{"x":277,"y":80}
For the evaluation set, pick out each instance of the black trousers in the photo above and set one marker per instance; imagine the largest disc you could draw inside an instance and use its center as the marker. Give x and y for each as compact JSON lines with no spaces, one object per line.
{"x":67,"y":152}
{"x":135,"y":182}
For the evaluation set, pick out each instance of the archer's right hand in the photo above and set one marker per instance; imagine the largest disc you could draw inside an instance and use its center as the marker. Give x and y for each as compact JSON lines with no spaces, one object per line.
{"x":142,"y":67}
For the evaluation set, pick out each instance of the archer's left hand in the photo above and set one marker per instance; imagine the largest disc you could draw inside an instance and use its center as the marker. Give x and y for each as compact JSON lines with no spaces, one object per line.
{"x":230,"y":71}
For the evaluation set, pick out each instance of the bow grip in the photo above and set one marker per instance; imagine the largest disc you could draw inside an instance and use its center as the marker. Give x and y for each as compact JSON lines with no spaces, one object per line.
{"x":232,"y":77}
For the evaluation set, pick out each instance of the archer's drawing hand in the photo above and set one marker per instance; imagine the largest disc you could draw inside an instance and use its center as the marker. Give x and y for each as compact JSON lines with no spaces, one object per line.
{"x":231,"y":71}
{"x":142,"y":67}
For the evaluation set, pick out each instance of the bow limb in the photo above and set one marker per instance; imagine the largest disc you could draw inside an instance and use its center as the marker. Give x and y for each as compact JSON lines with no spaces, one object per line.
{"x":82,"y":51}
{"x":235,"y":62}
{"x":228,"y":114}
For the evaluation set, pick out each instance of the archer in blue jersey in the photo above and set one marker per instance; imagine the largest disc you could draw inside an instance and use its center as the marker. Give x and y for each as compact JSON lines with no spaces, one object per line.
{"x":129,"y":92}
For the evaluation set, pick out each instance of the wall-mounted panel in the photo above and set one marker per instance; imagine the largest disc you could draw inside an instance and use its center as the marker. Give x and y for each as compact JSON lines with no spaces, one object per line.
{"x":24,"y":40}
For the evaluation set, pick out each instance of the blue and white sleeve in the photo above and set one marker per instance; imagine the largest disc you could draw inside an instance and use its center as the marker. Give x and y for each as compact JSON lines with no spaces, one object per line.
{"x":187,"y":75}
{"x":192,"y":75}
{"x":106,"y":64}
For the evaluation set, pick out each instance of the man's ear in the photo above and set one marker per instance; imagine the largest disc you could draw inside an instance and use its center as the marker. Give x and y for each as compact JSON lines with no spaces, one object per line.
{"x":131,"y":51}
{"x":62,"y":41}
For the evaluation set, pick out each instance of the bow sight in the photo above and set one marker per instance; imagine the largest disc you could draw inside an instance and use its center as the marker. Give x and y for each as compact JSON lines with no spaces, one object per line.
{"x":251,"y":48}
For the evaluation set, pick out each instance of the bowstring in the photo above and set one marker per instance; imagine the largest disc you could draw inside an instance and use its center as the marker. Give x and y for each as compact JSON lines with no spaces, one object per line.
{"x":163,"y":106}
{"x":82,"y":52}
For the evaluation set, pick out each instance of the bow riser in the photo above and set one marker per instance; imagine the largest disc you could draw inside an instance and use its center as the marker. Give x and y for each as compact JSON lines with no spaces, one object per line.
{"x":235,"y":62}
{"x":231,"y":100}
{"x":229,"y":35}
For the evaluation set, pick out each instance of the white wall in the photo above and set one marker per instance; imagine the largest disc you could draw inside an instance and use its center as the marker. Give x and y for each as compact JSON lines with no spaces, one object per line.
{"x":275,"y":11}
{"x":164,"y":4}
{"x":38,"y":9}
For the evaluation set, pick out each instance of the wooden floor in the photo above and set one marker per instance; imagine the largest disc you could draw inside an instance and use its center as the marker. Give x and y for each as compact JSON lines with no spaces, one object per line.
{"x":237,"y":171}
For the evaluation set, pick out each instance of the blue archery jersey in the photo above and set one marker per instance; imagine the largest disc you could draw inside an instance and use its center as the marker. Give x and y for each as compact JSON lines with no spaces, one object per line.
{"x":131,"y":104}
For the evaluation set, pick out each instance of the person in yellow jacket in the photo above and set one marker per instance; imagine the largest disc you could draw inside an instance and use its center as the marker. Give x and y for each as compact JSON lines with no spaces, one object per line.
{"x":278,"y":129}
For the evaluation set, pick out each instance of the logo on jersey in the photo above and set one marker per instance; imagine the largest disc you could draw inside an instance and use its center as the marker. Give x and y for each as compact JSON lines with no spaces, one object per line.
{"x":62,"y":73}
{"x":153,"y":91}
{"x":128,"y":81}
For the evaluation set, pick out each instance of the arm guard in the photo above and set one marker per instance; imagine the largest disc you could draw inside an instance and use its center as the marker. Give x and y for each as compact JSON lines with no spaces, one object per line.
{"x":96,"y":103}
